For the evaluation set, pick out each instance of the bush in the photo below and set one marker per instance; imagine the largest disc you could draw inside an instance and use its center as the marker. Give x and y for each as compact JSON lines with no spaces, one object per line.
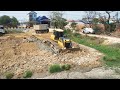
{"x":77,"y":35}
{"x":63,"y":67}
{"x":9,"y":75}
{"x":27,"y":74}
{"x":55,"y":68}
{"x":97,"y":30}
{"x":58,"y":68}
{"x":66,"y":67}
{"x":13,"y":31}
{"x":112,"y":27}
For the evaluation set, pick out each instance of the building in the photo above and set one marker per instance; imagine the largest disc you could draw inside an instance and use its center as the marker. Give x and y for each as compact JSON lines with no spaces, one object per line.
{"x":38,"y":20}
{"x":43,"y":20}
{"x":32,"y":16}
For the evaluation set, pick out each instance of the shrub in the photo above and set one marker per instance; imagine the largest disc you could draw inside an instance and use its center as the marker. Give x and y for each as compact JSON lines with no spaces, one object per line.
{"x":63,"y":67}
{"x":97,"y":30}
{"x":9,"y":75}
{"x":27,"y":74}
{"x":13,"y":31}
{"x":55,"y":68}
{"x":66,"y":67}
{"x":112,"y":27}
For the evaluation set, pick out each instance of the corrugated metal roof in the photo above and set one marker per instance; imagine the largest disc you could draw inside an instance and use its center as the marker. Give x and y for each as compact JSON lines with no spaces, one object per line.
{"x":43,"y":18}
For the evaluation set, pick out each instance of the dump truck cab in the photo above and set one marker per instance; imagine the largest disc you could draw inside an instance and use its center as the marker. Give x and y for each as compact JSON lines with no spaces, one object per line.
{"x":2,"y":31}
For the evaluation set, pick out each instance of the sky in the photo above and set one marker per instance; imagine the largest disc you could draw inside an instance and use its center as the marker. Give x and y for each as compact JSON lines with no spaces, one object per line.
{"x":22,"y":15}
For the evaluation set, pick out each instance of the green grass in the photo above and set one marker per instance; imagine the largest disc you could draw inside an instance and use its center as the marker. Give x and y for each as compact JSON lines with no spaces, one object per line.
{"x":27,"y":74}
{"x":112,"y":52}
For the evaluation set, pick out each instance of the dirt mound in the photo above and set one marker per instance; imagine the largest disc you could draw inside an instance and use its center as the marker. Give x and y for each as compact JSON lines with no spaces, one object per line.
{"x":21,"y":53}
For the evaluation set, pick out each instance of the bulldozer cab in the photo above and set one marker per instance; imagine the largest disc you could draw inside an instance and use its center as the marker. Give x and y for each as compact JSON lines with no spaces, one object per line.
{"x":66,"y":42}
{"x":58,"y":34}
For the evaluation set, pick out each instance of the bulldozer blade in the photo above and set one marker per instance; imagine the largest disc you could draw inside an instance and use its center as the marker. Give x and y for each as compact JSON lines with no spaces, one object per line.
{"x":69,"y":50}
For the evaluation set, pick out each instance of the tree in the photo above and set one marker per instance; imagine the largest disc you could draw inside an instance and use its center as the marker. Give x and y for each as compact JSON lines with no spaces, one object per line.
{"x":73,"y":25}
{"x":95,"y":21}
{"x":109,"y":16}
{"x":106,"y":21}
{"x":104,"y":17}
{"x":14,"y":22}
{"x":5,"y":20}
{"x":8,"y":22}
{"x":89,"y":15}
{"x":56,"y":19}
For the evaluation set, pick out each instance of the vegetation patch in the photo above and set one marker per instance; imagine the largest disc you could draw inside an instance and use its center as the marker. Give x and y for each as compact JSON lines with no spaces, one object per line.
{"x":9,"y":31}
{"x":55,"y":68}
{"x":58,"y":68}
{"x":66,"y":67}
{"x":112,"y":52}
{"x":27,"y":74}
{"x":9,"y":75}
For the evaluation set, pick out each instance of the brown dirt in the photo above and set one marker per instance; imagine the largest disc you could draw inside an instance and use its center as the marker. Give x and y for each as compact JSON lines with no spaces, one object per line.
{"x":18,"y":55}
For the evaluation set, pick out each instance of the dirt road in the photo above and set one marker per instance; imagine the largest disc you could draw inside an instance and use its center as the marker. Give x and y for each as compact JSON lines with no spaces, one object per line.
{"x":109,"y":40}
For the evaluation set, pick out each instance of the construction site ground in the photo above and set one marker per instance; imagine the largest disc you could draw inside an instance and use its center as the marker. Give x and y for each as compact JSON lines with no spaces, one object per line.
{"x":19,"y":52}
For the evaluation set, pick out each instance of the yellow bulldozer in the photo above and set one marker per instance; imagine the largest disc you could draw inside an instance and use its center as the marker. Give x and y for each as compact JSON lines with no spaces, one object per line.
{"x":63,"y":41}
{"x":59,"y":43}
{"x":59,"y":37}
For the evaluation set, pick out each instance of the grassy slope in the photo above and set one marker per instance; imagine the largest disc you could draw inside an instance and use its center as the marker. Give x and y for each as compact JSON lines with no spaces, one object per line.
{"x":112,"y":53}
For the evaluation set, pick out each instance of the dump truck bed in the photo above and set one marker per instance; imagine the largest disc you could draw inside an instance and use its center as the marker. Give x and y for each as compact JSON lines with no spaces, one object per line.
{"x":40,"y":27}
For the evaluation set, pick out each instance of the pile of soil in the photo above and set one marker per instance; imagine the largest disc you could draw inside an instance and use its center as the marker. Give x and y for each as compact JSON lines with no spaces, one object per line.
{"x":21,"y":53}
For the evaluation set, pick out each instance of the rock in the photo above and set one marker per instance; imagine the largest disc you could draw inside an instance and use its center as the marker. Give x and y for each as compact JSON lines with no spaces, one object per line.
{"x":17,"y":44}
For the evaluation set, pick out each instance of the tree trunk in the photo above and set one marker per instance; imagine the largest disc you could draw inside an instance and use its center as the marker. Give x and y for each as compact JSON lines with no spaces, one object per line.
{"x":108,"y":21}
